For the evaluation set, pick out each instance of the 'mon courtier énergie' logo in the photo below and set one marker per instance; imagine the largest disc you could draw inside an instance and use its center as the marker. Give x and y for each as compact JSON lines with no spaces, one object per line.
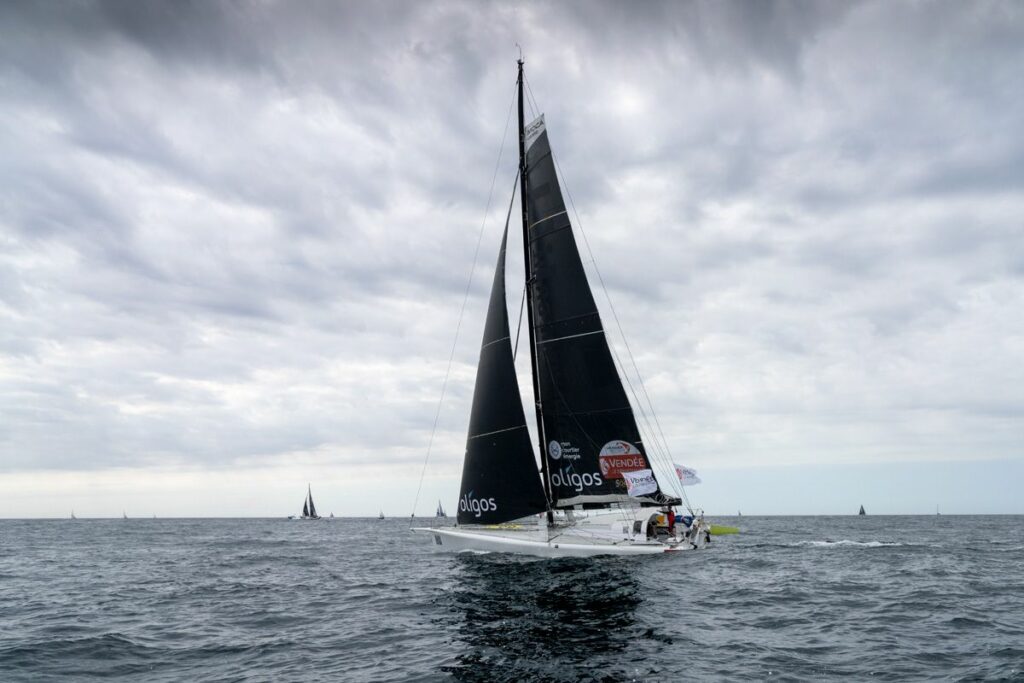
{"x":477,"y":506}
{"x":563,"y":450}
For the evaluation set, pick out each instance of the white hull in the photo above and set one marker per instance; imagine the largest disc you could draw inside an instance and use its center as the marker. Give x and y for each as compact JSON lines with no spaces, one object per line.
{"x":584,"y":540}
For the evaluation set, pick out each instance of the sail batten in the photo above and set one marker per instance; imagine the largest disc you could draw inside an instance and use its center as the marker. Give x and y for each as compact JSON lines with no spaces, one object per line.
{"x":570,"y":336}
{"x":547,"y":218}
{"x":507,"y":429}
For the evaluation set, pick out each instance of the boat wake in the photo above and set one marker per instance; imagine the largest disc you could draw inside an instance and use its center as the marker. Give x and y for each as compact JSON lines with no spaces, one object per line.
{"x":857,"y":544}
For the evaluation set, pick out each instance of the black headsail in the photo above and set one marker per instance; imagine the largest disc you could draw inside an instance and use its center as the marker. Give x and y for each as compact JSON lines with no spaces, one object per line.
{"x":499,"y":475}
{"x":591,"y":433}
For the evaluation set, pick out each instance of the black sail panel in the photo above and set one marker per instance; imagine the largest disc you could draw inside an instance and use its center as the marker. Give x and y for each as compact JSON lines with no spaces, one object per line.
{"x":305,"y":508}
{"x":499,"y":476}
{"x":312,"y":508}
{"x":589,"y":426}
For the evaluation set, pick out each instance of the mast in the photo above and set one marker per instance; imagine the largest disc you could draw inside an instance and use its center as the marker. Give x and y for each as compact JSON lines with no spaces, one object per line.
{"x":529,"y":299}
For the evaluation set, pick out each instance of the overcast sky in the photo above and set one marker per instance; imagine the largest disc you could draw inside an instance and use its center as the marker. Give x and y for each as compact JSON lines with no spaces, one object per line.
{"x":235,"y":239}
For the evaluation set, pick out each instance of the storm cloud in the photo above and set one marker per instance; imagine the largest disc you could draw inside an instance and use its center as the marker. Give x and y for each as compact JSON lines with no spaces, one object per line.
{"x":237,"y":235}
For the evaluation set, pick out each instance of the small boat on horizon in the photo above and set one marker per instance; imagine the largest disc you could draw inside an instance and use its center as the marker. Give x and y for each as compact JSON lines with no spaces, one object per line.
{"x":308,"y":508}
{"x":381,"y":515}
{"x":440,"y":511}
{"x":861,"y":511}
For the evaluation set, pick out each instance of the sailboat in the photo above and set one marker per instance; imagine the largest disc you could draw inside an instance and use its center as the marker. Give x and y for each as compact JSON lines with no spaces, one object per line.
{"x":598,"y":492}
{"x":861,"y":511}
{"x":308,"y":509}
{"x":73,"y":515}
{"x":381,"y":515}
{"x":440,"y":511}
{"x":124,"y":515}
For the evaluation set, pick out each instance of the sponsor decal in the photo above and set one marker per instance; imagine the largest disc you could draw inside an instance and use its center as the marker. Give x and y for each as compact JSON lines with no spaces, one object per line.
{"x":566,"y":478}
{"x":563,"y":450}
{"x":477,"y":506}
{"x":620,"y":456}
{"x":640,"y":483}
{"x":533,"y":131}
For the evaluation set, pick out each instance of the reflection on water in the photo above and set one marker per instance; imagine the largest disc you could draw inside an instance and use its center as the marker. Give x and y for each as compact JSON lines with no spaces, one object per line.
{"x":525,"y":619}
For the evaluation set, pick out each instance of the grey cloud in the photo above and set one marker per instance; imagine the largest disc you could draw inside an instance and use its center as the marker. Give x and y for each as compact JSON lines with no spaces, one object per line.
{"x":233,"y":232}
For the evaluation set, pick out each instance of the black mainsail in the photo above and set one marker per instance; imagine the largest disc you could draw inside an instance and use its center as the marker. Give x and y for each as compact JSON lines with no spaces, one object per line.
{"x":499,"y":475}
{"x":589,"y":428}
{"x":305,"y":507}
{"x":312,"y":508}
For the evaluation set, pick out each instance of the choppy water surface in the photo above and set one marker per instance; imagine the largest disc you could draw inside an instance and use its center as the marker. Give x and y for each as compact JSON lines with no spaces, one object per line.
{"x":890,"y":598}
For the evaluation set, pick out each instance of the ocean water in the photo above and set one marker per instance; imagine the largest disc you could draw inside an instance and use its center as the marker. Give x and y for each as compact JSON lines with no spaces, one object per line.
{"x":790,"y":598}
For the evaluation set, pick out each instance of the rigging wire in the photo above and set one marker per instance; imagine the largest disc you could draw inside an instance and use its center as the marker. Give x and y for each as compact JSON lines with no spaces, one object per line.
{"x":519,"y":323}
{"x":508,"y":219}
{"x":465,"y":300}
{"x":530,"y":99}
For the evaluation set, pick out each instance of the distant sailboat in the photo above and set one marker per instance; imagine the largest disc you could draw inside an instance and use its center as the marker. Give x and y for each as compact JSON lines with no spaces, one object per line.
{"x":440,"y":510}
{"x":308,"y":509}
{"x":381,"y":516}
{"x":124,"y":514}
{"x":861,"y":511}
{"x":332,"y":515}
{"x":73,"y":515}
